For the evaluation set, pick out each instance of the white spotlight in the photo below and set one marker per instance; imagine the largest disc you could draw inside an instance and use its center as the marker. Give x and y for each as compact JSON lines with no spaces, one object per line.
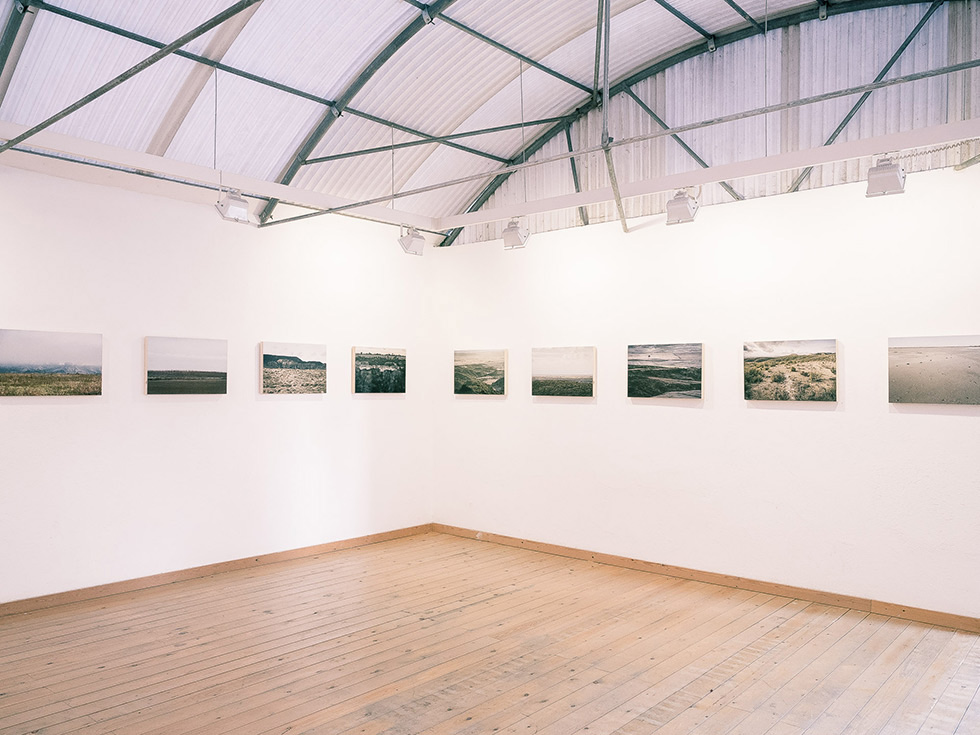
{"x":682,"y":208}
{"x":515,"y":235}
{"x":885,"y":178}
{"x":412,"y":242}
{"x":232,"y":206}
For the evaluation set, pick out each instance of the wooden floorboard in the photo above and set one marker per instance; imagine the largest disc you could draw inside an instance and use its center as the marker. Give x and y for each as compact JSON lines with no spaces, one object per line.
{"x":440,"y":635}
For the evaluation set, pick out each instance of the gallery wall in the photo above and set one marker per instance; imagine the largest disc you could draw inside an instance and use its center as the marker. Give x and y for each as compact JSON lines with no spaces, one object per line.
{"x":858,"y":497}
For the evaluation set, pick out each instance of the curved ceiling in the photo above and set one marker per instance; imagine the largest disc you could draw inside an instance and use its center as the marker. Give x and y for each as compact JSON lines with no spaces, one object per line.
{"x":326,"y":105}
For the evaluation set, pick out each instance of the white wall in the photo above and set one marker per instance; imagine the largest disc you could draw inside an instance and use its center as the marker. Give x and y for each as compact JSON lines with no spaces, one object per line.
{"x":859,"y":497}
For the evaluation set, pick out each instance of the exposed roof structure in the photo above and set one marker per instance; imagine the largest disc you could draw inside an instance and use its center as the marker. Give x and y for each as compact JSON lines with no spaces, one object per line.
{"x":456,"y":115}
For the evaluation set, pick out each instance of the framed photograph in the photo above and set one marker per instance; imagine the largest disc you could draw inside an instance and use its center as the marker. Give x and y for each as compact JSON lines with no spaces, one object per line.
{"x":664,"y":371}
{"x":791,"y":370}
{"x":378,"y":370}
{"x":563,"y":371}
{"x":480,"y":372}
{"x":186,"y":366}
{"x":50,"y":363}
{"x":293,"y":368}
{"x":934,"y":370}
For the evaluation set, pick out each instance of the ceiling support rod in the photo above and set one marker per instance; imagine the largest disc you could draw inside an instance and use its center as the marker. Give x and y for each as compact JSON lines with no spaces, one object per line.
{"x":598,"y":56}
{"x":15,"y":34}
{"x":805,"y":173}
{"x":606,"y":140}
{"x":738,"y":9}
{"x":684,"y":19}
{"x":497,"y":45}
{"x":583,"y":213}
{"x":677,"y":139}
{"x":132,"y":71}
{"x":42,"y":5}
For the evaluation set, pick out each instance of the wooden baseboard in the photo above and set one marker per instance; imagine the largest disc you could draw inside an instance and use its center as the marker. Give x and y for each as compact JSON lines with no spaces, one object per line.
{"x":919,"y":615}
{"x":157,"y":580}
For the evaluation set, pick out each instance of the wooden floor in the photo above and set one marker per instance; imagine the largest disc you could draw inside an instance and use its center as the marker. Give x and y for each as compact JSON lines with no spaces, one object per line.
{"x":438,"y":634}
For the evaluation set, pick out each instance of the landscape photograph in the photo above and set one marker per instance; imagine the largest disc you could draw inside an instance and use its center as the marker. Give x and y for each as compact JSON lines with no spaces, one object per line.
{"x":934,"y":370}
{"x":563,"y":371}
{"x":186,"y":366}
{"x":378,"y":370}
{"x":480,"y":372}
{"x":293,"y":368}
{"x":791,"y":370}
{"x":50,"y":363}
{"x":663,"y":371}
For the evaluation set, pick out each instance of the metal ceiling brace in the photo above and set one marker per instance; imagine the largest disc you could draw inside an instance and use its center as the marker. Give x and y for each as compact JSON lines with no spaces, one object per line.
{"x":133,"y":71}
{"x":677,"y":139}
{"x":805,"y":174}
{"x":606,"y":140}
{"x":738,"y":9}
{"x":687,"y":21}
{"x":42,"y":5}
{"x":12,"y":42}
{"x":327,"y":121}
{"x":598,"y":54}
{"x":691,"y":52}
{"x":583,"y":213}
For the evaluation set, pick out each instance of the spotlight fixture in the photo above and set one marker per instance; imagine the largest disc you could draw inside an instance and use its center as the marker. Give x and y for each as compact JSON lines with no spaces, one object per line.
{"x":885,"y":177}
{"x":515,"y":236}
{"x":682,"y":208}
{"x":232,"y":206}
{"x":412,"y":242}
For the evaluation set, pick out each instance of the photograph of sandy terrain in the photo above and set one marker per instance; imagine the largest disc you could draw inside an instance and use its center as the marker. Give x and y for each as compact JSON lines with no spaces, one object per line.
{"x":934,"y":370}
{"x":663,"y":371}
{"x":791,"y":370}
{"x":294,"y":368}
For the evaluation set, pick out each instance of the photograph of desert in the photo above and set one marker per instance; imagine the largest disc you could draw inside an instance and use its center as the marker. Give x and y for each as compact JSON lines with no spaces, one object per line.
{"x":934,"y":370}
{"x":186,"y":366}
{"x":563,"y":371}
{"x":294,"y":368}
{"x":480,"y":372}
{"x":663,"y":371}
{"x":50,"y":363}
{"x":379,"y":370}
{"x":791,"y":370}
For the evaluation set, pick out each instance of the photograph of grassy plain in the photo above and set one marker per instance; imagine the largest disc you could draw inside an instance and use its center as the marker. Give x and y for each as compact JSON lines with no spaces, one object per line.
{"x":480,"y":372}
{"x":186,"y":366}
{"x":663,"y":371}
{"x":50,"y":363}
{"x":934,"y":370}
{"x":378,"y":370}
{"x":791,"y":370}
{"x":293,"y":368}
{"x":563,"y":371}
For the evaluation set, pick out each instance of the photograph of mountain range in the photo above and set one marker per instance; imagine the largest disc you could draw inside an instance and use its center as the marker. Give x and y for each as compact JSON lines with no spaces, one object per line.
{"x":50,"y":363}
{"x":480,"y":372}
{"x":293,"y":368}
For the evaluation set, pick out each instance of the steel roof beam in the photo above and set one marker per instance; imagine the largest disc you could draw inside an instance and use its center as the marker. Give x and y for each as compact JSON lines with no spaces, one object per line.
{"x":691,"y":52}
{"x":42,"y":5}
{"x":582,"y":211}
{"x":677,"y":139}
{"x":606,"y":139}
{"x":738,"y":9}
{"x":133,"y":71}
{"x":805,"y":174}
{"x":684,"y":19}
{"x":327,"y":121}
{"x":598,"y":55}
{"x":12,"y":42}
{"x":497,"y":45}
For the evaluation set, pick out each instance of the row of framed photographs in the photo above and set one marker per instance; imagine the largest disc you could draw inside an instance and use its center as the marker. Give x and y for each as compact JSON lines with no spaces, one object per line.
{"x":936,"y":370}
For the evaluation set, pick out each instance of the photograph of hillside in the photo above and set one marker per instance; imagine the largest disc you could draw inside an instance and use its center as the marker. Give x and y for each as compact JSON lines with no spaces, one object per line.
{"x":186,"y":366}
{"x":563,"y":371}
{"x":378,"y":370}
{"x":791,"y":370}
{"x":480,"y":372}
{"x":934,"y":370}
{"x":293,"y":368}
{"x":50,"y":363}
{"x":663,"y":371}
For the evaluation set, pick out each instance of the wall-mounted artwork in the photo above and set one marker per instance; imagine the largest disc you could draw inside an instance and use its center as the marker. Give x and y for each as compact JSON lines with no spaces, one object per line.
{"x":791,"y":370}
{"x":378,"y":370}
{"x":294,"y":368}
{"x":181,"y":366}
{"x":563,"y":371}
{"x":934,"y":370}
{"x":663,"y":371}
{"x":50,"y":363}
{"x":480,"y":372}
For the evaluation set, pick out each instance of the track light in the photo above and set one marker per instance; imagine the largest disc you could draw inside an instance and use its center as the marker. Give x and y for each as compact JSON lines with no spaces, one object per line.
{"x":232,"y":206}
{"x":515,"y":236}
{"x":682,"y":208}
{"x":885,"y":177}
{"x":412,"y":242}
